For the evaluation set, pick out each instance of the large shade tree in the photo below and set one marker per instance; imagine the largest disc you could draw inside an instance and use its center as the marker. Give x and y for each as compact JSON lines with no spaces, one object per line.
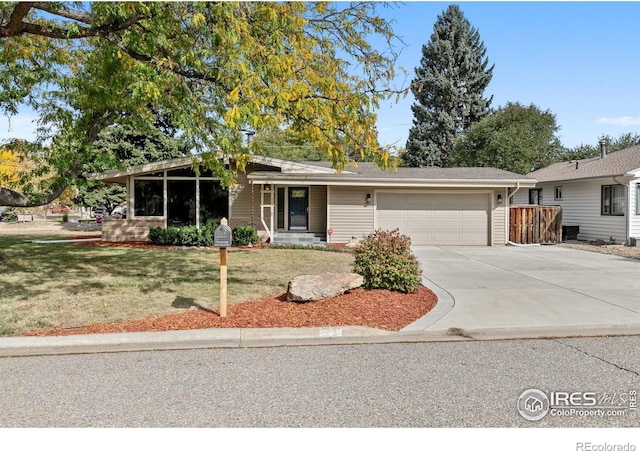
{"x":611,"y":144}
{"x":515,"y":138}
{"x":211,"y":68}
{"x":448,"y":86}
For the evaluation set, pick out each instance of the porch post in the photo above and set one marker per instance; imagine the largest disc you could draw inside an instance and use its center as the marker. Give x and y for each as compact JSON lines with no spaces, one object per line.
{"x":263,"y":205}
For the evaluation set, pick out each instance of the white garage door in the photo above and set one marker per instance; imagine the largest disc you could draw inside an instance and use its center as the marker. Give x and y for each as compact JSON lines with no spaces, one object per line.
{"x":436,"y":218}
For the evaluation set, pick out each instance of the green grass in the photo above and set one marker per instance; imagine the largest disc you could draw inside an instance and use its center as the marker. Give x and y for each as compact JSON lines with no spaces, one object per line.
{"x":64,"y":285}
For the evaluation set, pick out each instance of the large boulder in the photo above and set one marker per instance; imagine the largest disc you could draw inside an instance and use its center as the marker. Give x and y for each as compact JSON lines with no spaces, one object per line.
{"x":317,"y":287}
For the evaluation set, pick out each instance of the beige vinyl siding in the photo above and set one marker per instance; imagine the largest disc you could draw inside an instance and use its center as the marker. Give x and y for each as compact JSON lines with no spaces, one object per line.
{"x":348,"y":214}
{"x":581,"y":207}
{"x":240,"y":204}
{"x":498,"y":225}
{"x":318,"y":209}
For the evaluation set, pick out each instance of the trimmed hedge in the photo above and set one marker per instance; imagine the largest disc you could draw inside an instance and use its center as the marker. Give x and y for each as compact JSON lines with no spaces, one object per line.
{"x":244,"y":235}
{"x":192,"y":236}
{"x":384,"y":260}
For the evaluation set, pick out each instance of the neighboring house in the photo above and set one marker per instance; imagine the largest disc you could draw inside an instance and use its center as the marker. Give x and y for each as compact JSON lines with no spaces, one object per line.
{"x":599,"y":195}
{"x":291,"y":201}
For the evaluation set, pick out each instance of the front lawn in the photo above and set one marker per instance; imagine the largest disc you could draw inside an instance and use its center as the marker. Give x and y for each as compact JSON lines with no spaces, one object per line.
{"x":65,"y":285}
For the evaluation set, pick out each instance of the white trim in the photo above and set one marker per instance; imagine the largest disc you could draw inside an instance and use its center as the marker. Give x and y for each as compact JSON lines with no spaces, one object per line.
{"x":185,"y":162}
{"x":328,"y":237}
{"x":507,"y":216}
{"x":270,"y":205}
{"x":197,"y":203}
{"x":165,"y":201}
{"x":399,"y":183}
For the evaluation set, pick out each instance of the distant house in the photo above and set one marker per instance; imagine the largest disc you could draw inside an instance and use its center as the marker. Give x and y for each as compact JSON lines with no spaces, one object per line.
{"x":311,"y":202}
{"x":599,"y":195}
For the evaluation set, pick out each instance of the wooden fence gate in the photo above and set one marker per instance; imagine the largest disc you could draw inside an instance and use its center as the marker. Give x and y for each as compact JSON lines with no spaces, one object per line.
{"x":535,"y":224}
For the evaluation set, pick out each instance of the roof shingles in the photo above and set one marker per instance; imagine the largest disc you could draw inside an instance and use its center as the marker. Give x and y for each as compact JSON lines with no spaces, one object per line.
{"x":614,"y":164}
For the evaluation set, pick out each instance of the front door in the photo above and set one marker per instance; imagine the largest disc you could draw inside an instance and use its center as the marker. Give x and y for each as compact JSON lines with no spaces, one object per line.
{"x":298,"y":208}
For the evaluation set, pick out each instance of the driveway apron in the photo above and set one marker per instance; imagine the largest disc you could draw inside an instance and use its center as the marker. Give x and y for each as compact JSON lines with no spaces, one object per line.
{"x":534,"y":286}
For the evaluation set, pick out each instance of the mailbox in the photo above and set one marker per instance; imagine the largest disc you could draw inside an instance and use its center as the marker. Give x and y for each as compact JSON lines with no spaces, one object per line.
{"x":223,"y":236}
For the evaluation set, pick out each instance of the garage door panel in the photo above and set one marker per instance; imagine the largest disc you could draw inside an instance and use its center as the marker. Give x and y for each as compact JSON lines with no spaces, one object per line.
{"x":436,"y":218}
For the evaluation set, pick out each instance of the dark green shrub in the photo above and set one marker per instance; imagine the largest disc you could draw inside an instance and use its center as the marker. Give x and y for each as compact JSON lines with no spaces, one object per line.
{"x":183,"y":236}
{"x":156,"y":235}
{"x":244,"y":235}
{"x":187,"y":236}
{"x":205,"y":237}
{"x":192,"y":236}
{"x":385,"y":261}
{"x":172,"y":236}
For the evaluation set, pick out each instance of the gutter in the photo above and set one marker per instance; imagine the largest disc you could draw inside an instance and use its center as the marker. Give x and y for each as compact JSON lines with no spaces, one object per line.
{"x":396,"y":182}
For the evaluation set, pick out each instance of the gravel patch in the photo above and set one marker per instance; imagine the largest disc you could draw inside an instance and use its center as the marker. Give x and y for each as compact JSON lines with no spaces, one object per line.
{"x":619,"y":250}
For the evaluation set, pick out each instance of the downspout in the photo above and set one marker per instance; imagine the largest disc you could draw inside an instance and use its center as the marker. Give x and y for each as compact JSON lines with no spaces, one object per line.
{"x":627,"y":213}
{"x":514,"y":192}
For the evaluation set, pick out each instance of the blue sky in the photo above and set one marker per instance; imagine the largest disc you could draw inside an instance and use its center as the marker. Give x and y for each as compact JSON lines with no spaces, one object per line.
{"x":579,"y":60}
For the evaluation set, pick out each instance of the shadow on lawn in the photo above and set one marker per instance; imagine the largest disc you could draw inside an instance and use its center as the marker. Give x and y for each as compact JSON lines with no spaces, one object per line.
{"x":186,"y":303}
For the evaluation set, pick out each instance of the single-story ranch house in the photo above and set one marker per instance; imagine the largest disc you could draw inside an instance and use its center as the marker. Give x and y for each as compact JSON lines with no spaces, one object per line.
{"x":311,"y":202}
{"x":600,"y":197}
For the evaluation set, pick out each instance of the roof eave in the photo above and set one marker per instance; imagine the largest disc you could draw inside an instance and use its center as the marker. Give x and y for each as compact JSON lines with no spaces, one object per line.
{"x":395,"y":182}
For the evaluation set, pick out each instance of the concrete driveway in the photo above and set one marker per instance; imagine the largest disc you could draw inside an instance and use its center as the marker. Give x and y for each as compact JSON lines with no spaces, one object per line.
{"x":528,"y":287}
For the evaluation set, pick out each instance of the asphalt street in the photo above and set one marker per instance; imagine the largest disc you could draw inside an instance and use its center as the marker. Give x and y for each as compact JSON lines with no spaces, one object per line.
{"x":414,"y":385}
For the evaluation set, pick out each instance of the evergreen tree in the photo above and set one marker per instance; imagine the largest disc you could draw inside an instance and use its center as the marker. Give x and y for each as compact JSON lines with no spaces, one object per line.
{"x":448,"y":88}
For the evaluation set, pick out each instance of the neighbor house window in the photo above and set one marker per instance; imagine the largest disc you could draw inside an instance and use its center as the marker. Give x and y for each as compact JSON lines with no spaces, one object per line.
{"x":612,"y":200}
{"x":638,"y":200}
{"x":535,"y":196}
{"x":148,"y":197}
{"x":557,"y":193}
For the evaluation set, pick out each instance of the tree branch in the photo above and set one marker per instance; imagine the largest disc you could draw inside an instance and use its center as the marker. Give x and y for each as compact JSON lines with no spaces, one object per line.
{"x":63,"y":11}
{"x":16,"y":199}
{"x":14,"y":25}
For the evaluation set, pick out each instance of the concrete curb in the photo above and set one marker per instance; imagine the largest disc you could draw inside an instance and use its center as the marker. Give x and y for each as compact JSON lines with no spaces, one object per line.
{"x":280,"y":337}
{"x":445,"y":304}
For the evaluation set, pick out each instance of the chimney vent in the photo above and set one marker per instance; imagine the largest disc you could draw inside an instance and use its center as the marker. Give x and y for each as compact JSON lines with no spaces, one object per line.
{"x":603,"y":149}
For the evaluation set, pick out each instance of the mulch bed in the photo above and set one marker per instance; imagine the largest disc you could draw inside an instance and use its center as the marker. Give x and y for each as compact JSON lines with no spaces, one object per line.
{"x":380,"y":309}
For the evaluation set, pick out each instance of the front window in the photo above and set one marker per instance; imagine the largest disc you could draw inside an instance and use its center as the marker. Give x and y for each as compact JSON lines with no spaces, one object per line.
{"x":535,"y":196}
{"x":612,"y":200}
{"x":148,"y":197}
{"x":557,"y":193}
{"x":214,"y":201}
{"x":181,"y":202}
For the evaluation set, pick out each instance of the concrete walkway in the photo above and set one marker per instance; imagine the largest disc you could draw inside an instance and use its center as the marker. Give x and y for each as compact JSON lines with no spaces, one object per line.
{"x":484,"y":293}
{"x":529,"y":287}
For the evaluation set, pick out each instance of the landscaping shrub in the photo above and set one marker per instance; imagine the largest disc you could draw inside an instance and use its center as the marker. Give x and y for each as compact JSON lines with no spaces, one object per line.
{"x":384,"y":260}
{"x":192,"y":236}
{"x":244,"y":235}
{"x":156,"y":235}
{"x":187,"y":236}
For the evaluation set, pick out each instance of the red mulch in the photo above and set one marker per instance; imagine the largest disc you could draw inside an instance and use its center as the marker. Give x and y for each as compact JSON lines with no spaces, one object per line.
{"x":381,"y":309}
